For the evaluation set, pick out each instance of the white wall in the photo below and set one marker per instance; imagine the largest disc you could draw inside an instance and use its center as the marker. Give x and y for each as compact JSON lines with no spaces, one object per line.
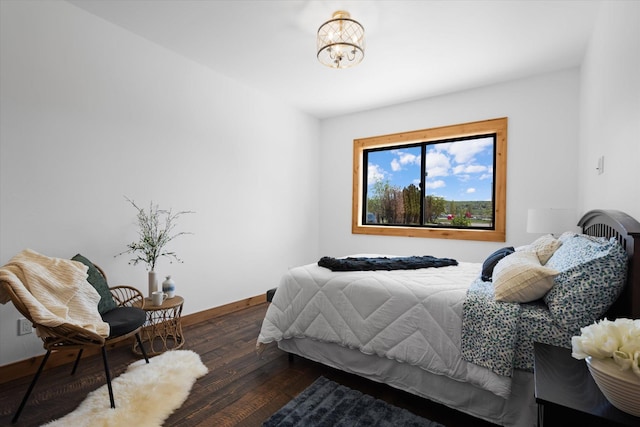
{"x":90,"y":113}
{"x":610,"y":111}
{"x":541,"y":159}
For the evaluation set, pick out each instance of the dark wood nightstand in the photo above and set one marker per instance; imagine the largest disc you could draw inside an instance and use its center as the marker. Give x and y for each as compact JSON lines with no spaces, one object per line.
{"x":565,"y":390}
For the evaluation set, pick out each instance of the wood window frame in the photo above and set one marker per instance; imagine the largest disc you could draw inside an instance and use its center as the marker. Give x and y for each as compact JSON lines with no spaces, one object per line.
{"x":497,"y":126}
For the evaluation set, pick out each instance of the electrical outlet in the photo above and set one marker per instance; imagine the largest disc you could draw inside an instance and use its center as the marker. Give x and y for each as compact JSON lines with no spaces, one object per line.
{"x":24,"y":327}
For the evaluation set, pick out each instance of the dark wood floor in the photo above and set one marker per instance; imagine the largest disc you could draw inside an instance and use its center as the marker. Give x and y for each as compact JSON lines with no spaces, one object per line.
{"x":239,"y":390}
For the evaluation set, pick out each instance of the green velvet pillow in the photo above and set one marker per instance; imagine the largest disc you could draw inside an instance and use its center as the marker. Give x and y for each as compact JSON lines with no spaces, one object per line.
{"x":100,"y":283}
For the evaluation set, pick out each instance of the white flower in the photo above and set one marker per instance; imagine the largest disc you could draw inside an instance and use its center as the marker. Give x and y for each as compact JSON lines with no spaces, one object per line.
{"x":624,"y":360}
{"x":153,"y":235}
{"x":635,"y":366}
{"x":618,"y":339}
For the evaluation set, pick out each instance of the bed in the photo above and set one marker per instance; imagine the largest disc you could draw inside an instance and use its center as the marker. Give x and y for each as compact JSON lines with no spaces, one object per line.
{"x":441,"y":334}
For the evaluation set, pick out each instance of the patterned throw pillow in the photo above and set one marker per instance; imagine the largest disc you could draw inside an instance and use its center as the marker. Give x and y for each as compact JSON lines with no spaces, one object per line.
{"x":593,"y":272}
{"x":521,"y":278}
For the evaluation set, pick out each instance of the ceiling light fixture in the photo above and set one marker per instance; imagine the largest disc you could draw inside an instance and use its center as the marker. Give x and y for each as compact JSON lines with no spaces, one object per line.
{"x":340,"y":41}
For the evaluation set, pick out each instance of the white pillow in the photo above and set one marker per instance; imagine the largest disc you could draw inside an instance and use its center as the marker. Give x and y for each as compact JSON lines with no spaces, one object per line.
{"x":543,"y":246}
{"x":520,"y":277}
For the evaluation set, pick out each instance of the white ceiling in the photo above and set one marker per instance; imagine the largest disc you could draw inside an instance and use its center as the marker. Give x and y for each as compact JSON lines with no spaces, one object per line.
{"x":414,"y":49}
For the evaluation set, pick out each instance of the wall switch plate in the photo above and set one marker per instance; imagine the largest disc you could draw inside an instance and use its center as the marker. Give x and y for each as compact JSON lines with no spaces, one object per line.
{"x":24,"y":327}
{"x":600,"y":167}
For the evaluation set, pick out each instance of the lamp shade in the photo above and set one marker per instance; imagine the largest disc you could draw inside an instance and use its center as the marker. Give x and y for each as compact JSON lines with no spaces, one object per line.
{"x":340,"y":41}
{"x":551,"y":220}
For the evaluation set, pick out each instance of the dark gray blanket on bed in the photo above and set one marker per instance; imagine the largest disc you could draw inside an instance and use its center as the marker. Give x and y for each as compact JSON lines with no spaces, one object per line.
{"x":384,"y":263}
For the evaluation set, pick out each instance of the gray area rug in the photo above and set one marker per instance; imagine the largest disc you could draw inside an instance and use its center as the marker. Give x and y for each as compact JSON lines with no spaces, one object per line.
{"x":326,"y":403}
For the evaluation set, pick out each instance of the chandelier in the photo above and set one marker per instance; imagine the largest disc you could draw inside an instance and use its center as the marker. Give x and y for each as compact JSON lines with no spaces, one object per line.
{"x":340,"y":41}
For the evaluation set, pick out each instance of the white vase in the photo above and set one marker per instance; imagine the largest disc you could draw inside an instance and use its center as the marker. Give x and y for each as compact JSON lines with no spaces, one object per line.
{"x":153,"y":282}
{"x":169,"y":287}
{"x":620,"y":387}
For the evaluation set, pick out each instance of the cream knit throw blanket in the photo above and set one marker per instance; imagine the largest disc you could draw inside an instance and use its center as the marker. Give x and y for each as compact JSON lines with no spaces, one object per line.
{"x":54,"y":290}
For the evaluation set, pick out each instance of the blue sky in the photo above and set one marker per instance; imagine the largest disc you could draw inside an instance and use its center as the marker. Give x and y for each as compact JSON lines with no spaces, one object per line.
{"x":460,"y":171}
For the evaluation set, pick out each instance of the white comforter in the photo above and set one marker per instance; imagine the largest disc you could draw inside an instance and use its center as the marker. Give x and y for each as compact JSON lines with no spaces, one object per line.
{"x":412,"y":316}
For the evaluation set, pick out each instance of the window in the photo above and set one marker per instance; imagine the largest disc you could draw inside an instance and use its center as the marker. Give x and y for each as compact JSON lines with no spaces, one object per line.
{"x":447,"y":182}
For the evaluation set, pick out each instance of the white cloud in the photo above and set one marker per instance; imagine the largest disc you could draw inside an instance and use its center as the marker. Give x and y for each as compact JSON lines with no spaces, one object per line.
{"x":404,"y":159}
{"x":475,"y":169}
{"x":409,"y":159}
{"x":467,"y":169}
{"x":465,"y":151}
{"x":432,"y":185}
{"x":471,"y":190}
{"x":441,"y":157}
{"x":437,"y":164}
{"x":374,"y":174}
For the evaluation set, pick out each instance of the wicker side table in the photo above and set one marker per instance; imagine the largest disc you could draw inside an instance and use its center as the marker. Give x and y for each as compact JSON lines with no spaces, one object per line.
{"x":163,"y":328}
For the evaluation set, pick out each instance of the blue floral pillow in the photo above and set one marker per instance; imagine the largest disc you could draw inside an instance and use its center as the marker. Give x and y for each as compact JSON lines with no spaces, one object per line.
{"x":593,"y":272}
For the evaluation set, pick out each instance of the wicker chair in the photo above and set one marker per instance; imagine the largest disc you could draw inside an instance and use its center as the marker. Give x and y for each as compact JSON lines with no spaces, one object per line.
{"x":125,"y":321}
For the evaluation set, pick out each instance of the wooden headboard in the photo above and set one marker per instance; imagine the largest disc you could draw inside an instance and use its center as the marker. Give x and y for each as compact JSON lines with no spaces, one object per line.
{"x":612,"y":223}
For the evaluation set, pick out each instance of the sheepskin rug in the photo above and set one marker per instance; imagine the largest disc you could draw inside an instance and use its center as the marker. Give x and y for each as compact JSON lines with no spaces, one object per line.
{"x":145,"y":395}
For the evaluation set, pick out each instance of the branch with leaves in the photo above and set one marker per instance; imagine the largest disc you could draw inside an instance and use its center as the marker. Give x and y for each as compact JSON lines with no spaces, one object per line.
{"x":155,"y":231}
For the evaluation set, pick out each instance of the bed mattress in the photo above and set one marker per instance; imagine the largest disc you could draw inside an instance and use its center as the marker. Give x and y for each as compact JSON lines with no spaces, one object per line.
{"x":412,"y":317}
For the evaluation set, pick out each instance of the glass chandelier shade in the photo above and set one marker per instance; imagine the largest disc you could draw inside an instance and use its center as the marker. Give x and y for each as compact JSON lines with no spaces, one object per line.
{"x":340,"y":41}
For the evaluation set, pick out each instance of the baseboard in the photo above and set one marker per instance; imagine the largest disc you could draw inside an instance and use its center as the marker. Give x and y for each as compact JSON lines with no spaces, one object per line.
{"x":29,"y":366}
{"x":201,"y":316}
